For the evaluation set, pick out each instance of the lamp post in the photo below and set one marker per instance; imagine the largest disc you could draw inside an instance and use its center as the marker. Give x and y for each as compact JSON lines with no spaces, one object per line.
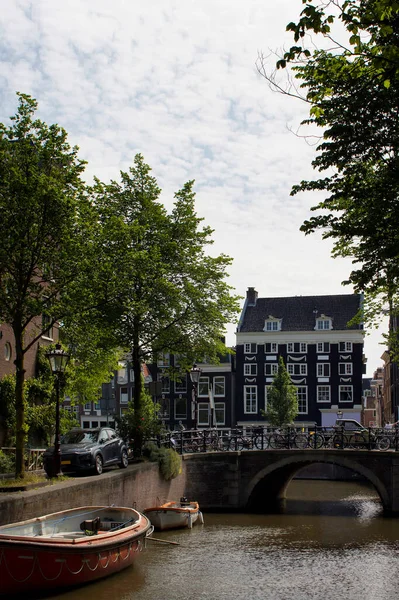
{"x":195,"y":375}
{"x":58,"y":360}
{"x":339,"y":414}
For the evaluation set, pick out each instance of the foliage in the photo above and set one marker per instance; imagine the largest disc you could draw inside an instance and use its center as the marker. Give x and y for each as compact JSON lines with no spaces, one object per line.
{"x":7,"y":407}
{"x":353,"y":93}
{"x":170,"y":462}
{"x":42,"y":249}
{"x":6,"y":463}
{"x":282,"y":402}
{"x":169,"y":295}
{"x":149,"y":424}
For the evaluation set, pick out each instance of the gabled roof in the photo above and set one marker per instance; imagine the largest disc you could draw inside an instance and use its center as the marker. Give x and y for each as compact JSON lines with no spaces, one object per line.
{"x":299,"y":313}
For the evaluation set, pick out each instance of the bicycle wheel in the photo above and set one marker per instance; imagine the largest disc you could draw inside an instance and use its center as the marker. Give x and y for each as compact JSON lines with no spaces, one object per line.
{"x":236,"y":443}
{"x":277,"y":441}
{"x":261,"y":442}
{"x":383,"y":442}
{"x":301,"y":441}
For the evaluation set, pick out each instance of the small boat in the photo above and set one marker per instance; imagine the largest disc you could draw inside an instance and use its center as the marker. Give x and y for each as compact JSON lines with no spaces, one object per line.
{"x":69,"y":548}
{"x":173,"y":515}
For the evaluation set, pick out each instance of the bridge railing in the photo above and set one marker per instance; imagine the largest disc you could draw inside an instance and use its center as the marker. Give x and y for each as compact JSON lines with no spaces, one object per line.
{"x":264,"y":438}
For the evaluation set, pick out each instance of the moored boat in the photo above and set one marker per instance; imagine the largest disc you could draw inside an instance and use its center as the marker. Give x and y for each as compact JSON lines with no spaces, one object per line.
{"x":69,"y":548}
{"x":173,"y":515}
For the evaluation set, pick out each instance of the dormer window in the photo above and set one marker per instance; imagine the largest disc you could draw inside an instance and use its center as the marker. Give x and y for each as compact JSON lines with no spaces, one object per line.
{"x":272,"y":324}
{"x":323,"y":323}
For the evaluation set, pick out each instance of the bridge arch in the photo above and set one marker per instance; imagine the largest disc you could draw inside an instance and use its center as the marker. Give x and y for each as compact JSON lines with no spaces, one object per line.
{"x":269,"y":485}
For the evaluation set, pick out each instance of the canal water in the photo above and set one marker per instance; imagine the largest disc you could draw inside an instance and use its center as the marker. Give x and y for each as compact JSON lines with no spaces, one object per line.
{"x":331,"y":541}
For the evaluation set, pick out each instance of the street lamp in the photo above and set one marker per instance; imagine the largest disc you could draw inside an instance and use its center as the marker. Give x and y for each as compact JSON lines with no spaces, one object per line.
{"x":58,"y":360}
{"x":339,"y":414}
{"x":195,"y":375}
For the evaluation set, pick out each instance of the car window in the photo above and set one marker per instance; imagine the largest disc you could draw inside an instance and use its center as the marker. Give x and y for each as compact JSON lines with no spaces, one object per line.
{"x":112,"y":434}
{"x":103,"y":436}
{"x":79,"y":437}
{"x":351,"y":426}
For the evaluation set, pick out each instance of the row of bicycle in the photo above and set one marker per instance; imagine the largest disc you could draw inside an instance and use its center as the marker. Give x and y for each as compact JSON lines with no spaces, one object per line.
{"x":211,"y":440}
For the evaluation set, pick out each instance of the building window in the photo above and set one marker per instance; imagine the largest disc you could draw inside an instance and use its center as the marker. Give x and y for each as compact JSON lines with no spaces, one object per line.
{"x":323,"y":393}
{"x":271,"y":348}
{"x":88,"y":406}
{"x":272,"y":325}
{"x":346,"y":393}
{"x":203,"y":414}
{"x":345,"y":346}
{"x":220,"y":413}
{"x":345,"y":368}
{"x":324,"y":323}
{"x":250,"y":369}
{"x":47,"y":327}
{"x":97,"y":406}
{"x":164,"y":408}
{"x":218,"y":386}
{"x":7,"y":351}
{"x":181,"y":385}
{"x":302,"y":395}
{"x":163,"y":360}
{"x":297,"y":347}
{"x":122,"y":374}
{"x":124,"y":397}
{"x":250,"y":348}
{"x":203,"y":387}
{"x":323,"y":370}
{"x":323,"y":347}
{"x":271,"y":368}
{"x":181,"y":408}
{"x":297,"y":368}
{"x":165,"y":383}
{"x":86,"y":424}
{"x":250,"y":399}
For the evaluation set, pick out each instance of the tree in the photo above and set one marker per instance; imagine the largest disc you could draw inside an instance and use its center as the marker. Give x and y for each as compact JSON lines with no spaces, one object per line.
{"x":168,"y":294}
{"x":43,"y":210}
{"x":353,"y":95}
{"x":282,"y":400}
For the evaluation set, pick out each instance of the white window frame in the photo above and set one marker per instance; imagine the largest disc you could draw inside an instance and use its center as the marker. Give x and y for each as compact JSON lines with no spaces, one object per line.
{"x":124,"y":397}
{"x":220,"y":409}
{"x":250,"y":348}
{"x":250,"y":369}
{"x":323,"y":324}
{"x":323,"y":367}
{"x":321,"y":389}
{"x":273,"y":347}
{"x":165,"y":381}
{"x":250,"y":399}
{"x":305,"y":399}
{"x":301,"y":367}
{"x":87,"y":406}
{"x":345,"y":368}
{"x":201,"y":408}
{"x":203,"y":382}
{"x":272,"y":367}
{"x":181,"y":385}
{"x":163,"y":359}
{"x":345,"y":388}
{"x":303,"y":348}
{"x":272,"y":325}
{"x":347,"y":346}
{"x":219,"y":381}
{"x":321,"y":347}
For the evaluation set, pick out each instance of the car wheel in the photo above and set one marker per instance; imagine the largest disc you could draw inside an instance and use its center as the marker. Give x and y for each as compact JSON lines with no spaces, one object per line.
{"x":124,"y":463}
{"x":98,"y":464}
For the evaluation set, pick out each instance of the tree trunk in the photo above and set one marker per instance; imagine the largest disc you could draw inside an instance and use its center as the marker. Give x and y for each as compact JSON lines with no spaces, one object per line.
{"x":19,"y":405}
{"x":137,"y":394}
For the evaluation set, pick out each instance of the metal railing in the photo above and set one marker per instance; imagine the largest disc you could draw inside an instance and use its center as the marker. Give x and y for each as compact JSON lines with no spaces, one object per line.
{"x":33,"y":457}
{"x":265,"y":438}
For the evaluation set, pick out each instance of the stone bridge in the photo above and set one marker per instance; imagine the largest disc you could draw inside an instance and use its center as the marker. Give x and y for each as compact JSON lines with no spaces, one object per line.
{"x":255,"y":480}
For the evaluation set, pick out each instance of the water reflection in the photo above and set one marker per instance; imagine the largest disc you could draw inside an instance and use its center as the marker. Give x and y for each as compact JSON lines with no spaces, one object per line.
{"x":332,"y":541}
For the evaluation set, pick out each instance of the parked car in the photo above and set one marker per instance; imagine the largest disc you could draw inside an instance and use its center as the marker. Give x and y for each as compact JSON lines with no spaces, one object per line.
{"x":351,"y":433}
{"x":89,"y":449}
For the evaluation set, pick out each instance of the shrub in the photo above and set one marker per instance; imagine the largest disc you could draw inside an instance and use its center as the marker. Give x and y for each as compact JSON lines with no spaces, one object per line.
{"x":6,"y":463}
{"x":169,"y":460}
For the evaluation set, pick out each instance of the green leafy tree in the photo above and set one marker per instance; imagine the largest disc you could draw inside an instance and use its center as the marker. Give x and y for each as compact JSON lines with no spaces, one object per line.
{"x":169,"y":294}
{"x":43,"y":210}
{"x":282,"y":400}
{"x":353,"y":93}
{"x":148,"y":425}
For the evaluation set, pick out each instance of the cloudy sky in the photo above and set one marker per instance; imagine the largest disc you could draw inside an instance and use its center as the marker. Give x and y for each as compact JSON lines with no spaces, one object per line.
{"x":176,"y":80}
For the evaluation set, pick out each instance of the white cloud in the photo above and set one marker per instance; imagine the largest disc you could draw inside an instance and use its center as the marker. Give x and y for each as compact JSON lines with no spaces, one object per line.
{"x":176,"y":80}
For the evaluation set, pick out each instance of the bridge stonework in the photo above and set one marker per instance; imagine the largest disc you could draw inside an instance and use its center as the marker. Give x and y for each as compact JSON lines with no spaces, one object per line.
{"x":258,"y":480}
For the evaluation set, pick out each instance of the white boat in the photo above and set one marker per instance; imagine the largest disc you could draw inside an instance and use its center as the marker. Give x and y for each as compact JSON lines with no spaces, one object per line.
{"x":174,"y":515}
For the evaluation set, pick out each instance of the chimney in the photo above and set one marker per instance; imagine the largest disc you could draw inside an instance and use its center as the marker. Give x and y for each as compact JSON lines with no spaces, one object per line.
{"x":252,"y":296}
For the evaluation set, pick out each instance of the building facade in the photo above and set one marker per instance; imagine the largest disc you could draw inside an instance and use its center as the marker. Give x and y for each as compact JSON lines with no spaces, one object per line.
{"x":322,"y":354}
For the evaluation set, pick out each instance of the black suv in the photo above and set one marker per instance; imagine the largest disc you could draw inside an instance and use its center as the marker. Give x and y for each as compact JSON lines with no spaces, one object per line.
{"x":349,"y":433}
{"x":88,"y":449}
